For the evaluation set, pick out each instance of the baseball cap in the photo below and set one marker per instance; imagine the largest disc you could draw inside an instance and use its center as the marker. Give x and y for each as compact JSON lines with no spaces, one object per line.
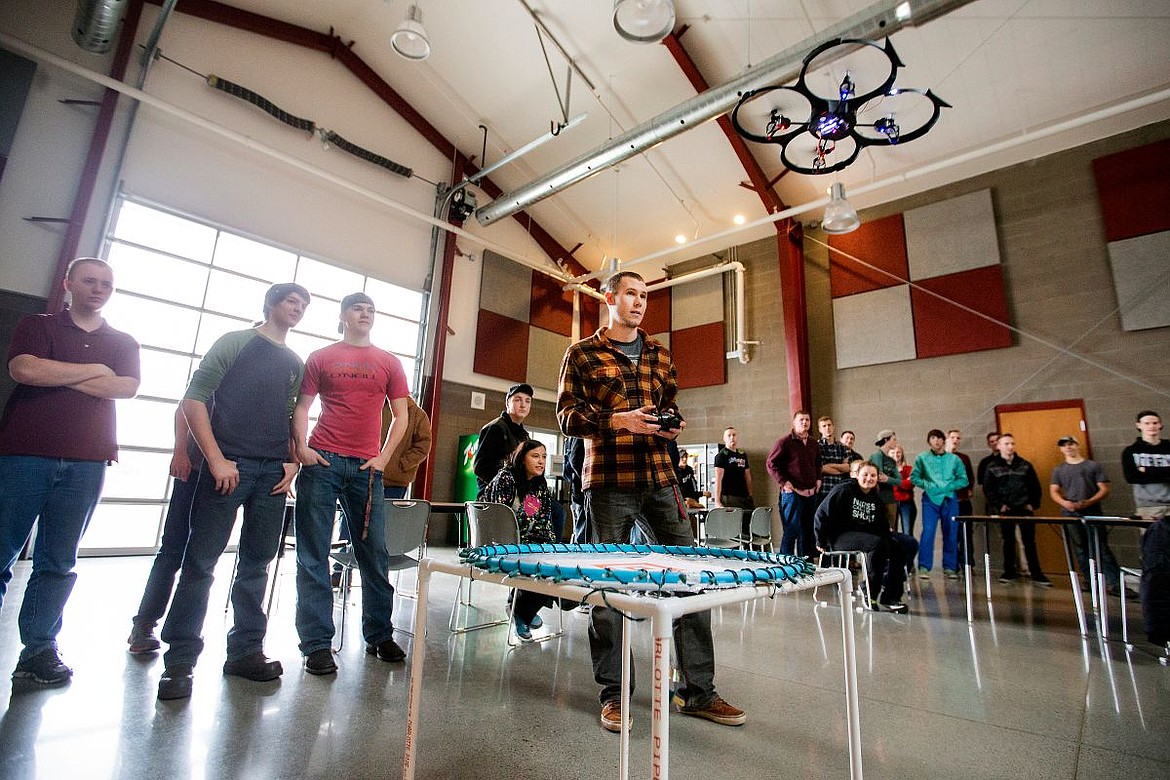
{"x":357,"y":297}
{"x":883,"y":436}
{"x":1063,"y":440}
{"x":522,"y":387}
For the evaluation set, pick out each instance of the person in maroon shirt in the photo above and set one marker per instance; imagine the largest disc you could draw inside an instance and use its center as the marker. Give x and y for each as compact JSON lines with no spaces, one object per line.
{"x":793,"y":464}
{"x":56,"y":437}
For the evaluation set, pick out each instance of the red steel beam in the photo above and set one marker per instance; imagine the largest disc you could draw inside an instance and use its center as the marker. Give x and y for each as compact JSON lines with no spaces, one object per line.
{"x":93,"y":158}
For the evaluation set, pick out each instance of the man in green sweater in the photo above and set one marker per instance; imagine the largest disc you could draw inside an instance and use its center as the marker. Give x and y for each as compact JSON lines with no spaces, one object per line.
{"x":939,"y":474}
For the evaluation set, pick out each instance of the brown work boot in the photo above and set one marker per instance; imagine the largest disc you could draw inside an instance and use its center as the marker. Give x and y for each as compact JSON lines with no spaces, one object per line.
{"x":717,"y":711}
{"x":611,"y":715}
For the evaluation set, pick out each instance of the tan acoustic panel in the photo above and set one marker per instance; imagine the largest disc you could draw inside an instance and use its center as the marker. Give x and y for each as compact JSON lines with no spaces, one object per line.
{"x":505,"y":287}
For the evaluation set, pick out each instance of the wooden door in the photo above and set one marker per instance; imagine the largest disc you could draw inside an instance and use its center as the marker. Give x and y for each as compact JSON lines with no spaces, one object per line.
{"x":1036,"y":428}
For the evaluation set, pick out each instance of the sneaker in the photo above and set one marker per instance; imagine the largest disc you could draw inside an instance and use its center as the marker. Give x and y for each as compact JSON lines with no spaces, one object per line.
{"x":1041,"y":580}
{"x":256,"y":667}
{"x":584,"y":609}
{"x":142,"y":640}
{"x":388,"y":651}
{"x":1009,"y":577}
{"x":923,"y":573}
{"x":536,"y":622}
{"x":718,"y":711}
{"x":320,"y":662}
{"x":896,"y":607}
{"x":611,"y":716}
{"x":335,"y":580}
{"x":951,"y":574}
{"x":44,"y":668}
{"x":176,"y":682}
{"x":522,"y":630}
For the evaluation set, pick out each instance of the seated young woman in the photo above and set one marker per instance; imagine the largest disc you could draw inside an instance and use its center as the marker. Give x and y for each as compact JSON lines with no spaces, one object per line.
{"x":520,"y":484}
{"x":850,"y":518}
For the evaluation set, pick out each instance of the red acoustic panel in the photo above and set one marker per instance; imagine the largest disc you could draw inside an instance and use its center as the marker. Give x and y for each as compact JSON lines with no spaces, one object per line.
{"x":501,"y":347}
{"x":881,"y":243}
{"x":552,"y":307}
{"x":698,"y":356}
{"x":1134,"y":190}
{"x":941,"y":328}
{"x":657,"y":319}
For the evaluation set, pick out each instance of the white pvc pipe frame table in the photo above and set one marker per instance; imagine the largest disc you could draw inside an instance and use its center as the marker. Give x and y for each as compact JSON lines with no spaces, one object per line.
{"x":662,"y":612}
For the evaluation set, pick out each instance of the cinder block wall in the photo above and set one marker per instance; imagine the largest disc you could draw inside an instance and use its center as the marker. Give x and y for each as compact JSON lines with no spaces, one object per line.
{"x":1059,"y":288}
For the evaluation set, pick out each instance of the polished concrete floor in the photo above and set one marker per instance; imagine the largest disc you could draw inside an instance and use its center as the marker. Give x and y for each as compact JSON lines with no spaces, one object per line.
{"x":1020,"y":695}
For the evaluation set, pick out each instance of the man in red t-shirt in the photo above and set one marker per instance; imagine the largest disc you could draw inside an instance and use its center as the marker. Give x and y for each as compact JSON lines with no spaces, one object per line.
{"x":343,"y":461}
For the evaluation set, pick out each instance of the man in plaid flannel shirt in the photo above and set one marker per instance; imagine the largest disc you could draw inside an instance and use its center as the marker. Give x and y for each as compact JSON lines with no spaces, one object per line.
{"x":613,"y":386}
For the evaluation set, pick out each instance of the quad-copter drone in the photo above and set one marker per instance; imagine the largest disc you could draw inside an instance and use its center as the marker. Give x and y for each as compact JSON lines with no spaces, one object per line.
{"x":824,"y":121}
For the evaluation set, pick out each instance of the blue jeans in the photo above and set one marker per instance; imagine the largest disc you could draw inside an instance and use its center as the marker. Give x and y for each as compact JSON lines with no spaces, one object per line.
{"x":319,"y":488}
{"x":580,"y":522}
{"x":907,"y":514}
{"x":212,"y":518}
{"x":63,"y":494}
{"x":796,"y":517}
{"x":169,"y":558}
{"x":612,"y":513}
{"x":932,"y":513}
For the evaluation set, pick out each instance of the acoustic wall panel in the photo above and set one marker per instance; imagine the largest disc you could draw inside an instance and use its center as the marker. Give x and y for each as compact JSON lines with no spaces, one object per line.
{"x":949,"y":248}
{"x":1133,"y":188}
{"x":501,"y":347}
{"x":699,"y":358}
{"x":500,"y":281}
{"x":951,"y":236}
{"x":874,"y":327}
{"x":546,"y":350}
{"x":1141,"y":276}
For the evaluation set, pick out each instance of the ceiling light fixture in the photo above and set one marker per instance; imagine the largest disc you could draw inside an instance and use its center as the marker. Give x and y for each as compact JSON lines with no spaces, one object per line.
{"x":739,"y":219}
{"x":680,"y":239}
{"x":840,"y":216}
{"x":824,"y":121}
{"x":410,"y":39}
{"x":643,"y":21}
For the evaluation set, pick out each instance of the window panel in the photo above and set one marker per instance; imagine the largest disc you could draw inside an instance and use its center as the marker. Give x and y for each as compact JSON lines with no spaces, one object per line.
{"x":122,"y":526}
{"x":143,"y":423}
{"x":394,"y":335}
{"x":212,"y":326}
{"x":254,"y":258}
{"x":165,"y":232}
{"x":304,"y":344}
{"x":138,"y":474}
{"x":159,"y":276}
{"x":231,"y":294}
{"x":153,"y":323}
{"x":395,"y":300}
{"x":322,"y":279}
{"x":321,"y":318}
{"x":408,"y":367}
{"x":163,"y":374}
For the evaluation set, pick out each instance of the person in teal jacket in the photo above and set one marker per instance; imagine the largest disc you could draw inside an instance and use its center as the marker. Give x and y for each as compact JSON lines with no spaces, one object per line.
{"x":939,"y":474}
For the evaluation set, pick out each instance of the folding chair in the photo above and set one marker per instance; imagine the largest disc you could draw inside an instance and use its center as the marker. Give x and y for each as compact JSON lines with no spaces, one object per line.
{"x":487,"y":523}
{"x":759,"y":530}
{"x":405,"y":531}
{"x":841,"y":559}
{"x":724,"y":528}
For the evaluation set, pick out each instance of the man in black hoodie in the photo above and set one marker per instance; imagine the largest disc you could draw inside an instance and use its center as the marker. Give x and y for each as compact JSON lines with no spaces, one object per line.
{"x":1012,"y":489}
{"x":1146,"y":464}
{"x":851,"y":518}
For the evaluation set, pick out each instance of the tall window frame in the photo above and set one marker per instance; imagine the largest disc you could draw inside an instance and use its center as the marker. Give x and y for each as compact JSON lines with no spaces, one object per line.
{"x":181,"y":282}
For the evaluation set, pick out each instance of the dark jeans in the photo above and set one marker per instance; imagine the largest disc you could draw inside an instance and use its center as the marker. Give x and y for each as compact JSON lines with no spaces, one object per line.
{"x":580,"y":522}
{"x":319,"y":489}
{"x":907,"y":514}
{"x":796,"y":516}
{"x":1083,"y":546}
{"x":612,"y":513}
{"x":169,"y":558}
{"x":889,"y":557}
{"x":212,"y":518}
{"x":1028,"y":536}
{"x":63,"y":494}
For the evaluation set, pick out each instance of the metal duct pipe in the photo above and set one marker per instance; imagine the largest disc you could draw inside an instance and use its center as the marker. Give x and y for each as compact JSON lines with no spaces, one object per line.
{"x":96,"y":24}
{"x":878,"y":20}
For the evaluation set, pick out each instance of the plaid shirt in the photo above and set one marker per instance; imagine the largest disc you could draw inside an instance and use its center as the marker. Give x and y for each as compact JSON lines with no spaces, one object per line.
{"x":598,"y":380}
{"x":832,"y":452}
